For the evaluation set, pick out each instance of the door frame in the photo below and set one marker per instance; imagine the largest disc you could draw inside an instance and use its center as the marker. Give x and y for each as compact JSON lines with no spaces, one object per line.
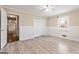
{"x":0,"y":29}
{"x":17,"y":25}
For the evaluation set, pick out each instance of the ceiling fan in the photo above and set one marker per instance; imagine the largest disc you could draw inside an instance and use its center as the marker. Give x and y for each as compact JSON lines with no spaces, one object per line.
{"x":48,"y":8}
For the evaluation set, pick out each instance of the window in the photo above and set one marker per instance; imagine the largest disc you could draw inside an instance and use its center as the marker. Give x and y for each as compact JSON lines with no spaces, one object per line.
{"x":63,"y":23}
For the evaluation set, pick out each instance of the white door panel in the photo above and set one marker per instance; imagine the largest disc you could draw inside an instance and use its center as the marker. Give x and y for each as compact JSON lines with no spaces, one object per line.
{"x":39,"y":26}
{"x":3,"y":28}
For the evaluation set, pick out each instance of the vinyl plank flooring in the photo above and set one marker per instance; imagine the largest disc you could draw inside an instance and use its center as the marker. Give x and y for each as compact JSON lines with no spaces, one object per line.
{"x":43,"y":45}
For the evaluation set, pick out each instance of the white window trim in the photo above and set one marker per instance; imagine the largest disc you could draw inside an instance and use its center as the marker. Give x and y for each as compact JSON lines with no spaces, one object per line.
{"x":67,"y":29}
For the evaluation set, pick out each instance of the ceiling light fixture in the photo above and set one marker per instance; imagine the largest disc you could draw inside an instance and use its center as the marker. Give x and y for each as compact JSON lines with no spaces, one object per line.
{"x":48,"y":8}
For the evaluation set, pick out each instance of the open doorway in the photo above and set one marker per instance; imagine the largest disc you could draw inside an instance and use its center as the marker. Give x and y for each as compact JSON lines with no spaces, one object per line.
{"x":13,"y":28}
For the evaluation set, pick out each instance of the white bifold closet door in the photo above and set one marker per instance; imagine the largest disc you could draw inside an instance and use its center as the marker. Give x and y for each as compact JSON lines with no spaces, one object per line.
{"x":39,"y":26}
{"x":3,"y":28}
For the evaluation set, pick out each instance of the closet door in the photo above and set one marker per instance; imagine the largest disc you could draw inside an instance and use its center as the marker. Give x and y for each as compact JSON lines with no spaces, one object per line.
{"x":39,"y":26}
{"x":3,"y":28}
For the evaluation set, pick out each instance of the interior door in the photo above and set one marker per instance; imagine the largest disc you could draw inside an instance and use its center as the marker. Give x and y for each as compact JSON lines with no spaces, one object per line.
{"x":3,"y":28}
{"x":13,"y":28}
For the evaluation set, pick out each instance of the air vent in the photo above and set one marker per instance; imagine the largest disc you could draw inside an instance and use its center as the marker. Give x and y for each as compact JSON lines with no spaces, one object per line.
{"x":64,"y":35}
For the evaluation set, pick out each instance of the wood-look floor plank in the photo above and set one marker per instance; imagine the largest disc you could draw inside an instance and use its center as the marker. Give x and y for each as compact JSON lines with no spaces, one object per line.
{"x":43,"y":45}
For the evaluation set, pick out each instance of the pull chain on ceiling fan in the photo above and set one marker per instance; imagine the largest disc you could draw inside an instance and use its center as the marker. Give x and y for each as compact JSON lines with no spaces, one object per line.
{"x":47,"y":8}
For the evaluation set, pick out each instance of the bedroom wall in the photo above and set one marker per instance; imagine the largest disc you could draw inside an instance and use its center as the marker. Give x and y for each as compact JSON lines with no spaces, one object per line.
{"x":25,"y":24}
{"x":28,"y":24}
{"x":73,"y":32}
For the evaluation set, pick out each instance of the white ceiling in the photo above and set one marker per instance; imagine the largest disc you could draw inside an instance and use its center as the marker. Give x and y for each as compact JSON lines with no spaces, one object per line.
{"x":37,"y":9}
